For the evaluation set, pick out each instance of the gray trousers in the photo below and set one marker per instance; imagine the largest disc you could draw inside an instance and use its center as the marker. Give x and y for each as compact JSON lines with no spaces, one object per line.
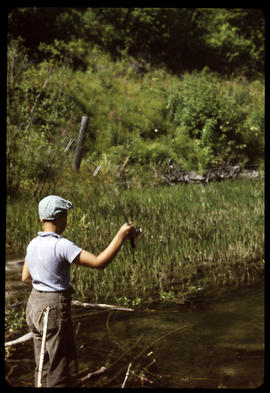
{"x":60,"y":361}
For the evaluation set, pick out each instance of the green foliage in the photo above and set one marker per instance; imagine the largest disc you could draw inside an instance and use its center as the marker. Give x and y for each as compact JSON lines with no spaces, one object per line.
{"x":232,"y":36}
{"x":152,"y":152}
{"x":226,"y":40}
{"x":40,"y":100}
{"x":43,"y":24}
{"x":199,"y":120}
{"x":215,"y":113}
{"x":14,"y":320}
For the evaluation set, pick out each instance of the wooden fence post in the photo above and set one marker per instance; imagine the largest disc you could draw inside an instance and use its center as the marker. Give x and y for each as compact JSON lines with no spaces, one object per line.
{"x":79,"y":148}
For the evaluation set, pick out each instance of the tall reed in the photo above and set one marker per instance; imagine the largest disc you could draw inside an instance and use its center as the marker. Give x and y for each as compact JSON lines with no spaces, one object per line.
{"x":194,"y":236}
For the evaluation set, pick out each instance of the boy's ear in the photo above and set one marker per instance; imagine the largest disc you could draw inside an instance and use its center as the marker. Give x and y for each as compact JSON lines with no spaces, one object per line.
{"x":41,"y":219}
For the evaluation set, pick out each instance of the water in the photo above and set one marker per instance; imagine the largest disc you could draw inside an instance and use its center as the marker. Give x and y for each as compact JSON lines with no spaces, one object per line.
{"x":213,"y":342}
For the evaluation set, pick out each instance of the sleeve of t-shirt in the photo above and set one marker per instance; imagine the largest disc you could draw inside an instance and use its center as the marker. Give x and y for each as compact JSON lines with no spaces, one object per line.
{"x":67,"y":250}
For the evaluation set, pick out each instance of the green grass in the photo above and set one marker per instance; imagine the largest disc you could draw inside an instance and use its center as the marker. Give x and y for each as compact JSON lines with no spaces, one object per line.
{"x":194,"y":236}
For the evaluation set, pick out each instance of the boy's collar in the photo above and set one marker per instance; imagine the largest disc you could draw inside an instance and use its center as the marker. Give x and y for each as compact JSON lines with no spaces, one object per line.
{"x":43,"y":234}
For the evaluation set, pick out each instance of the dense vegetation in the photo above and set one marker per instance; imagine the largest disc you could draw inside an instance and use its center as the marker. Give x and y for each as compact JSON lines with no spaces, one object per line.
{"x":198,"y":99}
{"x":228,"y":40}
{"x":186,"y":84}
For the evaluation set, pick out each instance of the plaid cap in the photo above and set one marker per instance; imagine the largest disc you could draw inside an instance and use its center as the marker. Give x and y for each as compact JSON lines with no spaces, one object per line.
{"x":50,"y":206}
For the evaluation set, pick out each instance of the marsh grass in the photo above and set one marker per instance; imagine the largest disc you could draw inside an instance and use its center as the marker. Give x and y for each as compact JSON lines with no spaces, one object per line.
{"x":194,"y":237}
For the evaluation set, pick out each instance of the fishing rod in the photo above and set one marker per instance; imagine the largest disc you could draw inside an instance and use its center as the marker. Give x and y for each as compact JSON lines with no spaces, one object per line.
{"x":135,"y":231}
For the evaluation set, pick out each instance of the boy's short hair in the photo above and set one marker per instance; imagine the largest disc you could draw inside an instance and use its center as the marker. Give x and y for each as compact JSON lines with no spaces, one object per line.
{"x":52,"y":206}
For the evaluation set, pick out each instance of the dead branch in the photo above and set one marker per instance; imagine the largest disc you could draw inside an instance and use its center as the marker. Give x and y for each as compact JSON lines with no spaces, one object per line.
{"x":98,"y":305}
{"x":87,"y":377}
{"x":127,"y":374}
{"x":20,"y":340}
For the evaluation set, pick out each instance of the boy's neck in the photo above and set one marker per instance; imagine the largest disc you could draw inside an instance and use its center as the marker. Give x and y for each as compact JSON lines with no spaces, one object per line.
{"x":58,"y":225}
{"x":51,"y":227}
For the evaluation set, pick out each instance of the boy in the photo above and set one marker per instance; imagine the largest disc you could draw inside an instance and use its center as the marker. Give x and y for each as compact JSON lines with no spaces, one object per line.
{"x":47,"y":271}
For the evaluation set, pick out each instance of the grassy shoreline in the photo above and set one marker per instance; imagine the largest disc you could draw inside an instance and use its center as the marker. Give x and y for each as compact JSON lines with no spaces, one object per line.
{"x":194,"y":237}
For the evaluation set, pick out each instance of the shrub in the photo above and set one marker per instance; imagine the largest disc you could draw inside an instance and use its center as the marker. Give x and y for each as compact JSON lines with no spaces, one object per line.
{"x":215,"y":115}
{"x":146,"y":153}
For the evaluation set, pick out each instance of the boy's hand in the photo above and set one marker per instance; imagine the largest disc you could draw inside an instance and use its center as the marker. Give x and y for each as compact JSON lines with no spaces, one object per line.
{"x":126,"y":230}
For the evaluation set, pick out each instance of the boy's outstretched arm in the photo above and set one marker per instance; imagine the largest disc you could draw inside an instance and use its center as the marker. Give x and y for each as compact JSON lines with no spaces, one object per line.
{"x":88,"y":259}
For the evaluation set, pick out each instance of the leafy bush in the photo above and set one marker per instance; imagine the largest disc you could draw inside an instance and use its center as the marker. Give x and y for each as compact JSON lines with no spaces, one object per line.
{"x":152,"y":152}
{"x":215,"y":113}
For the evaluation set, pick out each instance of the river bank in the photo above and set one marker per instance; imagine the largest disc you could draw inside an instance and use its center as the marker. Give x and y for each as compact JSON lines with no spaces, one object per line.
{"x":212,"y":341}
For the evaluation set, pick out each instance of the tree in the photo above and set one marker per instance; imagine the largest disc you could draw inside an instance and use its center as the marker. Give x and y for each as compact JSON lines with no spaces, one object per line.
{"x":183,"y":39}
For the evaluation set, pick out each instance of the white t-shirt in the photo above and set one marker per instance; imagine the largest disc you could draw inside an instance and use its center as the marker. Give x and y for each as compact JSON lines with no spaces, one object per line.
{"x":49,"y":257}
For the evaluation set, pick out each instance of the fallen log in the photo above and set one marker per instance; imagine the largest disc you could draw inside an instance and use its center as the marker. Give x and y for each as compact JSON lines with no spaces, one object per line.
{"x":100,"y":305}
{"x":20,"y":340}
{"x":174,"y":174}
